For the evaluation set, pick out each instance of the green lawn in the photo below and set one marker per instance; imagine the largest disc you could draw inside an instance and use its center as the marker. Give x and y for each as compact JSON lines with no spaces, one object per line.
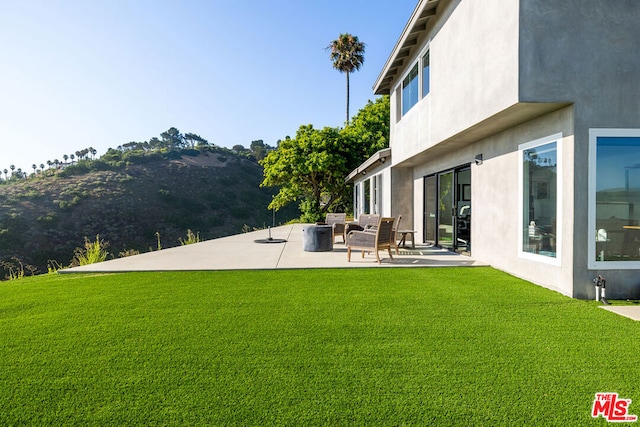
{"x":423,"y":346}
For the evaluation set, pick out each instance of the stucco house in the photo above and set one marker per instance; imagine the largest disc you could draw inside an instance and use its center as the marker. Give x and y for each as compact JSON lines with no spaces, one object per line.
{"x":515,"y":137}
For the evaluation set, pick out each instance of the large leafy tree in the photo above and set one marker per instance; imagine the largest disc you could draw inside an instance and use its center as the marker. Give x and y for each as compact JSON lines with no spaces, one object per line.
{"x":347,"y":54}
{"x":368,"y":132}
{"x":311,"y":167}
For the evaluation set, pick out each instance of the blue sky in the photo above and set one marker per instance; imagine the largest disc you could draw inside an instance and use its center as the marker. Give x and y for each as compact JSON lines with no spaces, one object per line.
{"x":101,"y":73}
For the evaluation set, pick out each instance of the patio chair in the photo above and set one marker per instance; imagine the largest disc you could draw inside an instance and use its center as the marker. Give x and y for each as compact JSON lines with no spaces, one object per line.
{"x":338,"y":222}
{"x":372,"y":242}
{"x":364,"y":221}
{"x":394,"y":234}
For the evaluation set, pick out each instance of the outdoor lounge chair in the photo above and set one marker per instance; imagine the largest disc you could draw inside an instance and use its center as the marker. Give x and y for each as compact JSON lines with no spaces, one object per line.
{"x":364,"y":221}
{"x":338,"y":222}
{"x":372,"y":242}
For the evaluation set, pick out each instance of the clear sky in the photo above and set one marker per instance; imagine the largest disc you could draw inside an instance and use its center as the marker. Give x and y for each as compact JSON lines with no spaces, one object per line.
{"x":76,"y":74}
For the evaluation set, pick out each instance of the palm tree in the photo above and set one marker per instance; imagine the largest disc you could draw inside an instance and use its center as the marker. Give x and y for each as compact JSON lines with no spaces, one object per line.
{"x":5,"y":174}
{"x":65,"y":157}
{"x":347,"y":54}
{"x":34,"y":168}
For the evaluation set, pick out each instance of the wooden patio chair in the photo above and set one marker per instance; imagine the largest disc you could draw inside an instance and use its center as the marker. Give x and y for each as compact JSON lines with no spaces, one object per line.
{"x":338,"y":222}
{"x":364,"y":221}
{"x":372,"y":242}
{"x":394,"y":234}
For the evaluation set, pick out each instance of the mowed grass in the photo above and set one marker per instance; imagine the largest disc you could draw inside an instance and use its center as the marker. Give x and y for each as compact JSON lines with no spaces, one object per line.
{"x":424,"y":346}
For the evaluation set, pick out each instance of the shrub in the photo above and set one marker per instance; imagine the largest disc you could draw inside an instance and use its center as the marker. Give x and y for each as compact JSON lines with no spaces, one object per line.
{"x":53,"y":266}
{"x":128,"y":252}
{"x":15,"y":269}
{"x":92,"y":252}
{"x":191,"y":238}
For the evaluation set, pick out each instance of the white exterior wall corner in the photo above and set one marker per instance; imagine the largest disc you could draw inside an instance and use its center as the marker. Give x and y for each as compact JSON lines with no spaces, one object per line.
{"x":487,"y":56}
{"x":496,"y":222}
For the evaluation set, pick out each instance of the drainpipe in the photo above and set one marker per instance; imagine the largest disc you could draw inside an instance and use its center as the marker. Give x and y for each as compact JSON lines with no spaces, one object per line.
{"x":600,"y":283}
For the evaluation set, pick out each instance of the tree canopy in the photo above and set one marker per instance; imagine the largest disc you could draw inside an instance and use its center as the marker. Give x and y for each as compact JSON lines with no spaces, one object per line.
{"x":311,"y":168}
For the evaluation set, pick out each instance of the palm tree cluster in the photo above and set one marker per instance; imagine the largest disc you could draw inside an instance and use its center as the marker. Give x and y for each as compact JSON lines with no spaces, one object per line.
{"x":18,"y":173}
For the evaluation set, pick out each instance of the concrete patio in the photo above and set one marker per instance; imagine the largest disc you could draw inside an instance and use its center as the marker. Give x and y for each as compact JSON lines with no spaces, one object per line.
{"x":240,"y":252}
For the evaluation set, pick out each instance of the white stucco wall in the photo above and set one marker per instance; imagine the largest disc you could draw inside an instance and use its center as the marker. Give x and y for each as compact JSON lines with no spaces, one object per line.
{"x":496,"y":220}
{"x":496,"y":203}
{"x":474,"y":74}
{"x":505,"y":73}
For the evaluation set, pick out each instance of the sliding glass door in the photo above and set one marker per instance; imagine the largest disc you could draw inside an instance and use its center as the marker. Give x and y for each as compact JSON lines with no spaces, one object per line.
{"x":447,"y":210}
{"x":430,"y":209}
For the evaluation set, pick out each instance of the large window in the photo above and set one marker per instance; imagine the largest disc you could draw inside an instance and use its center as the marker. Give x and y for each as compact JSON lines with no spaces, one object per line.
{"x":540,"y":196}
{"x":410,"y":90}
{"x":614,"y":198}
{"x":415,"y":86}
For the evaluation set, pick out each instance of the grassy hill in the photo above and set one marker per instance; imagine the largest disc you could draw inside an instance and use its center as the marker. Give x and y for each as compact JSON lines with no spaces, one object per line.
{"x":216,"y":194}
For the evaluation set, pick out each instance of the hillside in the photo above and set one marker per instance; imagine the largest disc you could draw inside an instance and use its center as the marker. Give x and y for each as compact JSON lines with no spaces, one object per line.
{"x":47,"y":217}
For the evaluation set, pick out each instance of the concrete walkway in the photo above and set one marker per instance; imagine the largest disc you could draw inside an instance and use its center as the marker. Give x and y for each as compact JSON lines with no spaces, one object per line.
{"x":240,"y":252}
{"x":630,"y":311}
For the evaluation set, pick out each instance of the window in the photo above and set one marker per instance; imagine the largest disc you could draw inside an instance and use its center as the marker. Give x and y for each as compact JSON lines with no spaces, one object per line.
{"x":376,"y":182}
{"x":614,"y":198}
{"x":540,"y":195}
{"x":366,"y":196}
{"x":425,"y":74}
{"x":410,"y":90}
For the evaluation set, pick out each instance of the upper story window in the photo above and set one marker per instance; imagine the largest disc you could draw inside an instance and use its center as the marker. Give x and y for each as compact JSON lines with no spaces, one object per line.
{"x":415,"y":86}
{"x":410,"y":90}
{"x":425,"y":74}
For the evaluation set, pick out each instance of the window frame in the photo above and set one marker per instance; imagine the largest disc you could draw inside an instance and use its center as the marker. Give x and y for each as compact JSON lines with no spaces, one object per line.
{"x":399,"y":89}
{"x":417,"y":80}
{"x":425,"y":54}
{"x":557,"y":260}
{"x":592,"y":262}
